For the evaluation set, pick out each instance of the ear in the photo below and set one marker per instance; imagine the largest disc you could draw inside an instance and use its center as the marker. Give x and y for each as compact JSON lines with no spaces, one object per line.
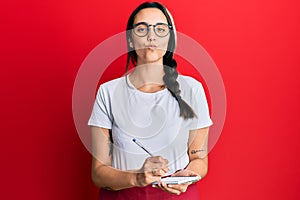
{"x":130,"y":43}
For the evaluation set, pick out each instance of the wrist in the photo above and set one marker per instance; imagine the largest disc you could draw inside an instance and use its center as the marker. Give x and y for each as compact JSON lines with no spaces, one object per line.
{"x":135,"y":179}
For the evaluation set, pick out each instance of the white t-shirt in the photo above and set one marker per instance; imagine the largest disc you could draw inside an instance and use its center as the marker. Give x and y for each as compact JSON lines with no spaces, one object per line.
{"x":152,"y":118}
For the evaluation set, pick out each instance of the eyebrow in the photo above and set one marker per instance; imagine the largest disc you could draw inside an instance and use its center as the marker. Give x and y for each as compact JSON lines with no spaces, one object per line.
{"x":148,"y":23}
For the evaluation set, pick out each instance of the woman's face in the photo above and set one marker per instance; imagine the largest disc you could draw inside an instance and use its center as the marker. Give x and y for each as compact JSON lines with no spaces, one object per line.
{"x":150,"y":48}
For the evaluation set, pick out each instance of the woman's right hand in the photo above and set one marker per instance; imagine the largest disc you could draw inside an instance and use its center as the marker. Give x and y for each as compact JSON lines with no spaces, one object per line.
{"x":153,"y":169}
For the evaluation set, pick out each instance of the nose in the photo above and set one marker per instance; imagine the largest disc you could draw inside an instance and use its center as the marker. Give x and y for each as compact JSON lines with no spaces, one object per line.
{"x":151,"y":34}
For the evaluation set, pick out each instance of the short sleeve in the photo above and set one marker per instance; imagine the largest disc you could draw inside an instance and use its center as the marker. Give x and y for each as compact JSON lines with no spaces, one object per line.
{"x":200,"y":107}
{"x":101,"y":114}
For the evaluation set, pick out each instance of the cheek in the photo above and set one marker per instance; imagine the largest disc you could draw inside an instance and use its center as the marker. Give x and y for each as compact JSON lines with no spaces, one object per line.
{"x":140,"y":51}
{"x":138,"y":42}
{"x":163,"y":45}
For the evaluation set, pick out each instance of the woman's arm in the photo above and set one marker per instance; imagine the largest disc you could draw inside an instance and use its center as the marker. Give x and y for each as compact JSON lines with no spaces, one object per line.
{"x":197,"y":151}
{"x":198,"y":165}
{"x":105,"y":176}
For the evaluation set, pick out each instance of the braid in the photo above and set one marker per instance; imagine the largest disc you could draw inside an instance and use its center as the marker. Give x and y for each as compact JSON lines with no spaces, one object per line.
{"x":170,"y":79}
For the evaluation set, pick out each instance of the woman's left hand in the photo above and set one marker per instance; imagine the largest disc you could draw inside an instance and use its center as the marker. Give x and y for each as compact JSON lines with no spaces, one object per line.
{"x":179,"y":188}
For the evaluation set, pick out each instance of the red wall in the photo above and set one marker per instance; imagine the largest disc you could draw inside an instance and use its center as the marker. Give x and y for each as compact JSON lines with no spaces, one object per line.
{"x":255,"y":45}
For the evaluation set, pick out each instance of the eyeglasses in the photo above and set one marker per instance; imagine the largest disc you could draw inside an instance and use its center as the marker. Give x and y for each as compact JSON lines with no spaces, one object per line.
{"x":141,"y":29}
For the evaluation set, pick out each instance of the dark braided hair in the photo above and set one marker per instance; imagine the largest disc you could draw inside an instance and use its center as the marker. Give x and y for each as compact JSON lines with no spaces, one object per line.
{"x":171,"y":74}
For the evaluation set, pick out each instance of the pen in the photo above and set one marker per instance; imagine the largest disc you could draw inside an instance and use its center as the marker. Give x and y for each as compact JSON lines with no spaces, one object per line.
{"x":140,"y":145}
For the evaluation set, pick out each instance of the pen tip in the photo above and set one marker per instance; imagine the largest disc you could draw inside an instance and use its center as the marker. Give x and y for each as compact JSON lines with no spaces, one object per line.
{"x":133,"y":139}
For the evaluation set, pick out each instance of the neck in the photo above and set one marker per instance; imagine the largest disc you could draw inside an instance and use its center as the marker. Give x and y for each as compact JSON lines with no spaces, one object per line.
{"x":147,"y":74}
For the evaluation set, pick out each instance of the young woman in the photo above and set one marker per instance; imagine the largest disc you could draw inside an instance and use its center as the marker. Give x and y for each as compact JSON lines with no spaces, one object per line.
{"x":166,"y":112}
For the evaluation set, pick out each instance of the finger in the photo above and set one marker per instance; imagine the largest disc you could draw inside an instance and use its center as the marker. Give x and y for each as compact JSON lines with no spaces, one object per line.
{"x":152,"y":168}
{"x":155,"y":172}
{"x":179,"y":187}
{"x":158,"y":159}
{"x":170,"y":189}
{"x":163,"y":186}
{"x":155,"y":159}
{"x":185,"y":172}
{"x":154,"y":165}
{"x":158,"y":172}
{"x":165,"y":170}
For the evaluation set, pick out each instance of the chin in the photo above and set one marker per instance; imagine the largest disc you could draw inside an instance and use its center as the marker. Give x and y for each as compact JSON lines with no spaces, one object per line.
{"x":154,"y":60}
{"x":155,"y":57}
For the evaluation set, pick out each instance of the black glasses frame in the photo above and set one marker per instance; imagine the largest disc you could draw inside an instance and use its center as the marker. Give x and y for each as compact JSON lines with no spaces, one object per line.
{"x":148,"y":28}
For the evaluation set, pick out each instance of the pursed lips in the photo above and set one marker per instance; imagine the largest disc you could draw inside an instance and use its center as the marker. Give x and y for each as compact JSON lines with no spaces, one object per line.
{"x":151,"y":46}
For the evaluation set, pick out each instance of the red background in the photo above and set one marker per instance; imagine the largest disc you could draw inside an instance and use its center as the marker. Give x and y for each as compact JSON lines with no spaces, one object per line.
{"x":255,"y":45}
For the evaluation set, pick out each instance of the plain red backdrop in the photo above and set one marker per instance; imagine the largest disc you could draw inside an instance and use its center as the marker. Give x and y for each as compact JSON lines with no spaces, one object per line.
{"x":255,"y":45}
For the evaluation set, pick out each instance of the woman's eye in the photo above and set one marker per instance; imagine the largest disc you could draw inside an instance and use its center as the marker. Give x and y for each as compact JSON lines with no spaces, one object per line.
{"x":141,"y":30}
{"x":161,"y":30}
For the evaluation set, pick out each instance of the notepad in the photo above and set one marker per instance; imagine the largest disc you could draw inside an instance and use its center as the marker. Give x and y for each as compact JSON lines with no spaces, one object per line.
{"x":173,"y":180}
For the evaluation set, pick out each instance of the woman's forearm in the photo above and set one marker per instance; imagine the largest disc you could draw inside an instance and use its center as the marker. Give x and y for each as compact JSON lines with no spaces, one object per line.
{"x":199,"y":166}
{"x":110,"y":178}
{"x":103,"y":175}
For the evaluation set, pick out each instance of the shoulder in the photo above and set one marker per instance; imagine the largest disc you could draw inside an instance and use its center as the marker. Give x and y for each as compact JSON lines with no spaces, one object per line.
{"x":187,"y":82}
{"x":110,"y":85}
{"x":106,"y":89}
{"x":190,"y":88}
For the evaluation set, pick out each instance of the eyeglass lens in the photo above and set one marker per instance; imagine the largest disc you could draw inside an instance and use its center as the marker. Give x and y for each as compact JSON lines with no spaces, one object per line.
{"x":160,"y":30}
